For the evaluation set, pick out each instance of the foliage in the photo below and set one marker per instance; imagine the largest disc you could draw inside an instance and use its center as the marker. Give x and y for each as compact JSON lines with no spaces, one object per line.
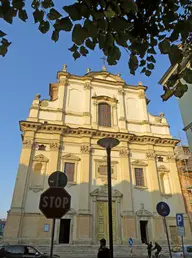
{"x":141,"y":27}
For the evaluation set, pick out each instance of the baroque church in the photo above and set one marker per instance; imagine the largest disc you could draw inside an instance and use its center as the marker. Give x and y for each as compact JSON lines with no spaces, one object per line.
{"x":61,"y":133}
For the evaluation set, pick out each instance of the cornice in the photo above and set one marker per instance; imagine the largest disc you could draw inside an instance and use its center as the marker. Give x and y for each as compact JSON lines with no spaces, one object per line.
{"x":63,"y":129}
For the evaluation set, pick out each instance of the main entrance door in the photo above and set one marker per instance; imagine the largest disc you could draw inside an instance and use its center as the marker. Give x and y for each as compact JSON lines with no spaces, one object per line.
{"x":102,"y":220}
{"x":143,"y":230}
{"x":64,"y":233}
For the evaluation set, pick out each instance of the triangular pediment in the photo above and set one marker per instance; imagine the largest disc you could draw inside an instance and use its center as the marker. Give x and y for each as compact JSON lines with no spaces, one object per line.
{"x":162,"y":168}
{"x":103,"y":192}
{"x":143,"y":212}
{"x":104,"y":75}
{"x":139,"y":163}
{"x":40,"y":158}
{"x":70,"y":157}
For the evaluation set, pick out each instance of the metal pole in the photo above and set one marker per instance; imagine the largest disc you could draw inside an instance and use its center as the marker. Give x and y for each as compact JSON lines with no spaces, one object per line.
{"x":166,"y":231}
{"x":52,"y":238}
{"x":110,"y":202}
{"x":182,"y":242}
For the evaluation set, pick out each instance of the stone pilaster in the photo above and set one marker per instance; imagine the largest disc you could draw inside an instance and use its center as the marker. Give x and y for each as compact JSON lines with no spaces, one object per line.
{"x":143,"y":106}
{"x":154,"y":180}
{"x":61,"y":98}
{"x":95,"y":114}
{"x":122,"y":119}
{"x":87,"y":96}
{"x":114,"y":116}
{"x":55,"y":147}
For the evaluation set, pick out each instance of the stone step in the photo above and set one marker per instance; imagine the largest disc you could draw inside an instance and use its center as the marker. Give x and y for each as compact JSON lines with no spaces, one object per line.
{"x":91,"y":250}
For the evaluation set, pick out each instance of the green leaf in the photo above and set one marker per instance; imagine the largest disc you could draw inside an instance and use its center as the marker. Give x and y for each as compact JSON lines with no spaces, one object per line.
{"x":4,"y":46}
{"x":83,"y":51}
{"x":23,"y":15}
{"x":115,"y":7}
{"x":18,"y":4}
{"x":97,"y":14}
{"x":153,"y":41}
{"x":188,"y":75}
{"x":162,"y":36}
{"x":102,"y":24}
{"x":164,"y":46}
{"x":38,"y":15}
{"x":47,"y":4}
{"x":53,"y":14}
{"x":151,"y":51}
{"x":55,"y":35}
{"x":147,"y":73}
{"x":175,"y":55}
{"x":91,"y":28}
{"x":102,"y":40}
{"x":85,"y":12}
{"x":111,"y":61}
{"x":133,"y":63}
{"x":35,"y":4}
{"x":109,"y":40}
{"x":151,"y":59}
{"x":73,"y":48}
{"x":44,"y":27}
{"x":129,"y":6}
{"x":79,"y":34}
{"x":109,"y":13}
{"x":90,"y":44}
{"x":64,"y":24}
{"x":2,"y":34}
{"x":76,"y":55}
{"x":73,"y":11}
{"x":142,"y":63}
{"x":120,"y":24}
{"x":114,"y":53}
{"x":120,"y":40}
{"x":150,"y":66}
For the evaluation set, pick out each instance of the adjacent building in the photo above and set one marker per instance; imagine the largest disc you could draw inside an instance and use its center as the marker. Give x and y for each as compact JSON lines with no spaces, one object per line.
{"x":2,"y":226}
{"x":184,"y":102}
{"x":61,"y":133}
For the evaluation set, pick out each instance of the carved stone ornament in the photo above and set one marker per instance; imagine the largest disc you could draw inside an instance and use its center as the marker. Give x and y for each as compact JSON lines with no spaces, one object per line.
{"x":139,"y":163}
{"x":141,"y":95}
{"x":171,"y":157}
{"x":54,"y":146}
{"x":103,"y":192}
{"x":28,"y":143}
{"x":162,"y":168}
{"x":158,"y":119}
{"x":87,"y":86}
{"x":123,"y":152}
{"x":85,"y":148}
{"x":44,"y":103}
{"x":36,"y":189}
{"x":143,"y":213}
{"x":150,"y":155}
{"x":70,"y":157}
{"x":38,"y":96}
{"x":121,"y":91}
{"x":40,"y":158}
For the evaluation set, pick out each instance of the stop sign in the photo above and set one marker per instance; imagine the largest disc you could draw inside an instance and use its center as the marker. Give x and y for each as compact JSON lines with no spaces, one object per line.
{"x":54,"y":203}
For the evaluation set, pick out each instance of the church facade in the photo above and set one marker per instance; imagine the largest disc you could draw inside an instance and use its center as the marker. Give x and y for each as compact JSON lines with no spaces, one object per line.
{"x":62,"y":133}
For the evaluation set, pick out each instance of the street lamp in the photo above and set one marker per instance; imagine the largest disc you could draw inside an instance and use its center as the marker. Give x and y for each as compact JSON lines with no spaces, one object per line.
{"x":108,"y":144}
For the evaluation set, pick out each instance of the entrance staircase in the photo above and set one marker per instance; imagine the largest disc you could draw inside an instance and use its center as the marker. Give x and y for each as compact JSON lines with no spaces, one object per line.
{"x":91,"y":250}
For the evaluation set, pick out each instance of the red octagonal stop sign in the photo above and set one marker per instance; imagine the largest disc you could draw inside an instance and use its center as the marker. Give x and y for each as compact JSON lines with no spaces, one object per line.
{"x":54,"y":203}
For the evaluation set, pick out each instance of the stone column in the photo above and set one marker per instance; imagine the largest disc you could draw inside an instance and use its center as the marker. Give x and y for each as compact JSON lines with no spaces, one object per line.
{"x":62,"y":91}
{"x":114,"y":116}
{"x":122,"y":119}
{"x":84,"y":216}
{"x":143,"y":106}
{"x":15,"y":215}
{"x":87,"y":95}
{"x":95,"y":112}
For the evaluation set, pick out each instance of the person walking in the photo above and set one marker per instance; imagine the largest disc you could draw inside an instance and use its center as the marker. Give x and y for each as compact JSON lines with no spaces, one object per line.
{"x":158,"y":248}
{"x":103,"y":251}
{"x":149,"y":249}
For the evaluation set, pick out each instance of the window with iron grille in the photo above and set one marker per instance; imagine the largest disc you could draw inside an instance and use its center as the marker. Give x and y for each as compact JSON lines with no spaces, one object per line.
{"x":104,"y":114}
{"x":69,"y":171}
{"x":139,"y":177}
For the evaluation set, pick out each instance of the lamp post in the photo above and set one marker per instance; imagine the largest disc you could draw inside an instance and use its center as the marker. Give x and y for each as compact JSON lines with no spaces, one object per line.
{"x":108,"y":144}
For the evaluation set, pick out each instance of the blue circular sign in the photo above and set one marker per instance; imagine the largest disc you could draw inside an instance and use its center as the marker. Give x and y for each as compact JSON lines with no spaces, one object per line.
{"x":163,"y":209}
{"x":130,"y":241}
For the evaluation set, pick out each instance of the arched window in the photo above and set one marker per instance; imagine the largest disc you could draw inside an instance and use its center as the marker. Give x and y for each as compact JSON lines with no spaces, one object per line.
{"x":104,"y":113}
{"x":36,"y":173}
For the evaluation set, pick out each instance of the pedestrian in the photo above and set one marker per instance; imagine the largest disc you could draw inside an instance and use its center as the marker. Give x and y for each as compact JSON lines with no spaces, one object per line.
{"x":103,"y":251}
{"x":149,"y":248}
{"x":158,"y":249}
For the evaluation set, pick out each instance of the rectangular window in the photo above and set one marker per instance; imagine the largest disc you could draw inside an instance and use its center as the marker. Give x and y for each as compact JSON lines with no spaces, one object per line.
{"x":139,"y":177}
{"x":69,"y":171}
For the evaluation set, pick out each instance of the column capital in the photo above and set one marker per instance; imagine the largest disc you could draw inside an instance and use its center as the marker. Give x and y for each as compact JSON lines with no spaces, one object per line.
{"x":121,"y":91}
{"x":123,"y":152}
{"x":171,"y":157}
{"x":87,"y":86}
{"x":150,"y":155}
{"x":28,"y":143}
{"x":55,"y":146}
{"x":85,"y":149}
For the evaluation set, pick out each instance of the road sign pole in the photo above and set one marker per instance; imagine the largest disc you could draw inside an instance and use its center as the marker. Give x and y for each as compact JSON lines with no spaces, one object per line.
{"x":182,"y":242}
{"x":52,"y":238}
{"x":166,"y":231}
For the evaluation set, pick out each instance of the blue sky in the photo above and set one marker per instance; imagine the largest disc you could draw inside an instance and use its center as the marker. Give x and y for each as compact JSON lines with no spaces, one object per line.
{"x":30,"y":65}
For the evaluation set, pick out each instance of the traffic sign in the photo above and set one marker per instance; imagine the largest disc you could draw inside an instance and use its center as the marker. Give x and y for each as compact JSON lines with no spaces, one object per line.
{"x":130,"y":241}
{"x":181,"y":231}
{"x":57,"y":179}
{"x":180,"y":220}
{"x":163,"y":209}
{"x":55,"y":203}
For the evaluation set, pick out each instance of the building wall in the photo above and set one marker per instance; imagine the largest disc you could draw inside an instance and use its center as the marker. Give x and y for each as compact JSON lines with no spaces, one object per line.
{"x":65,"y":129}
